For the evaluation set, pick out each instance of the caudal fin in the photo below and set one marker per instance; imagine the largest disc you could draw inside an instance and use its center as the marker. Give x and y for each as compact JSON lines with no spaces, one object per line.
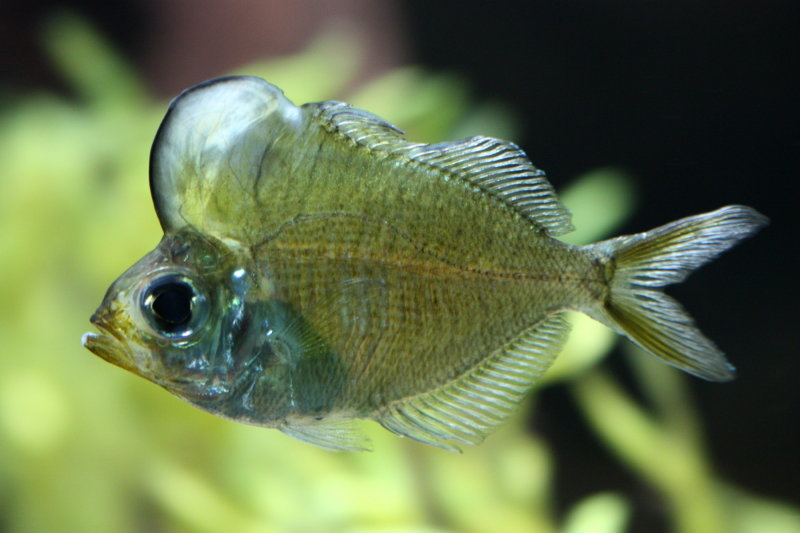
{"x":644,"y":262}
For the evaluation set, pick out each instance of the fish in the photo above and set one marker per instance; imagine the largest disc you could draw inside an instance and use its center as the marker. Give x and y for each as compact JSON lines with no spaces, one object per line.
{"x":317,"y":268}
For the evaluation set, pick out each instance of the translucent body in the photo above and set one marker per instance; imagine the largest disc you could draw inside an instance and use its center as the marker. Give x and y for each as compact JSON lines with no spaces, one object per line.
{"x":352,"y":274}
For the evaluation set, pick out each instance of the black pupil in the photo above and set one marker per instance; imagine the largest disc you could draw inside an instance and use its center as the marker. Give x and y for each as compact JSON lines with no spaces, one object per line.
{"x":172,"y":305}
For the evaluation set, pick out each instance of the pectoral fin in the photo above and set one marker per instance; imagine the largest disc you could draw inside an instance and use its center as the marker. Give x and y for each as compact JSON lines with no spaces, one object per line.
{"x":318,"y":344}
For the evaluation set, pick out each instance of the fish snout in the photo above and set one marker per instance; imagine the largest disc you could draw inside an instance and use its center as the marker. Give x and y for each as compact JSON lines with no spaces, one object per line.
{"x":110,"y":344}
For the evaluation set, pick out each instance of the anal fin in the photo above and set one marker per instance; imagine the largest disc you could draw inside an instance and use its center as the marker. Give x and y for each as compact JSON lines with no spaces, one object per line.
{"x":471,"y":406}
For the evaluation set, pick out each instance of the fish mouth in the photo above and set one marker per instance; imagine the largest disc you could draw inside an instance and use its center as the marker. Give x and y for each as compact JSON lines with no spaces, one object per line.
{"x":108,"y":345}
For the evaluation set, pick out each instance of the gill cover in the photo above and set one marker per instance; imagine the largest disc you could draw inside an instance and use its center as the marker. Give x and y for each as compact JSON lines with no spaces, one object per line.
{"x":214,"y":150}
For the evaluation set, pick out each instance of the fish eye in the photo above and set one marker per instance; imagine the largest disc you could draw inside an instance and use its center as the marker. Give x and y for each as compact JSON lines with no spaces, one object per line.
{"x":174,"y":306}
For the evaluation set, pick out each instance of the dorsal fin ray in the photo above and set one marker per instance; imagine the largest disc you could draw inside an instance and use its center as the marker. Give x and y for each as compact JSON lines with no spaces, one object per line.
{"x":496,"y":167}
{"x":470,"y":407}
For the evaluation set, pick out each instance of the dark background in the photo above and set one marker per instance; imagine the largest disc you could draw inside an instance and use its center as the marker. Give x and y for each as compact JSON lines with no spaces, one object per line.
{"x":698,"y":101}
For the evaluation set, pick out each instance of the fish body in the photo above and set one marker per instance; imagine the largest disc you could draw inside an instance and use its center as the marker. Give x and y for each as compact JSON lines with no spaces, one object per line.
{"x":316,"y":267}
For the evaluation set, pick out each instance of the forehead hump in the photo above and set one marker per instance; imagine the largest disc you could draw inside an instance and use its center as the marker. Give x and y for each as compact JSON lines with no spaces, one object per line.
{"x":209,"y":149}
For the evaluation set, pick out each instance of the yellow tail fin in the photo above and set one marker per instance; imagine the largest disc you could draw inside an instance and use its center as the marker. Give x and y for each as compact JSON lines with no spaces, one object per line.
{"x":644,"y":262}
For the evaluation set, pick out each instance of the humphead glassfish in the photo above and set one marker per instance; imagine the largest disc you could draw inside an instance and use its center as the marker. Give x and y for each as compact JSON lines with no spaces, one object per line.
{"x":317,"y":267}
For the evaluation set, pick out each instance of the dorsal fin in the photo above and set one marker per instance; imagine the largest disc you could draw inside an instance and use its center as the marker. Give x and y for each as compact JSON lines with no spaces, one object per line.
{"x":496,"y":167}
{"x":470,"y":407}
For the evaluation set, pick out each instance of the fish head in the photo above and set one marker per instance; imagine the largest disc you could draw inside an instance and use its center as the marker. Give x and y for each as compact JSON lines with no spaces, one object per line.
{"x":163,"y":318}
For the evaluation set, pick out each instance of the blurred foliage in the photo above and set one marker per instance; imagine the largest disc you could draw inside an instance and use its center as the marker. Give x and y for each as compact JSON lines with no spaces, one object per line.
{"x":86,"y":447}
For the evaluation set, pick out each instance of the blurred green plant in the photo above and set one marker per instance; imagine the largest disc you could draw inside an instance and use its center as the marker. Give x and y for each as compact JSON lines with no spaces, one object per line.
{"x":86,"y":447}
